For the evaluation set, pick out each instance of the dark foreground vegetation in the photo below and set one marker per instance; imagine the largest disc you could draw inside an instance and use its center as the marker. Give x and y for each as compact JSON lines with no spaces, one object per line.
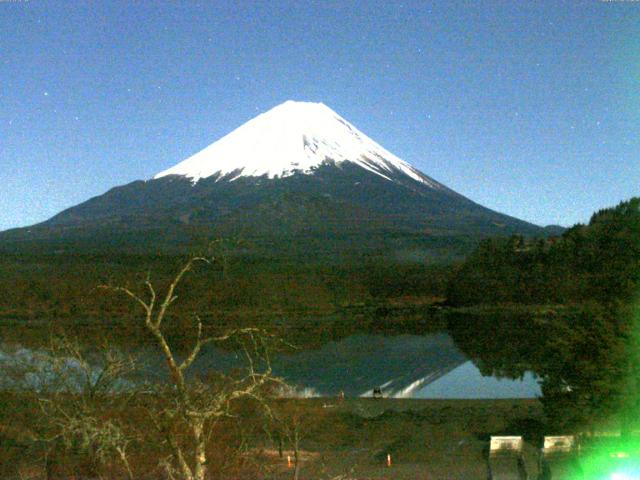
{"x":52,"y":289}
{"x":594,"y":263}
{"x":333,"y":439}
{"x":564,"y":308}
{"x":586,"y":347}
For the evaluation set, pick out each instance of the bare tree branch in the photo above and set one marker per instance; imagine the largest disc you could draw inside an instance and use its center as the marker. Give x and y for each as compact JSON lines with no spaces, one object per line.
{"x":193,"y":405}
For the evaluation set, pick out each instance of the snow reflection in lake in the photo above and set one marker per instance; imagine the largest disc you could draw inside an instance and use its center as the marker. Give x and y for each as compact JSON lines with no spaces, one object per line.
{"x":402,"y":366}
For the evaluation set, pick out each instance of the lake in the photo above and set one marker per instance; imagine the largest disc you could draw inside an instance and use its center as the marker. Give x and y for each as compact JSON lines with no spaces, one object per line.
{"x":402,"y":366}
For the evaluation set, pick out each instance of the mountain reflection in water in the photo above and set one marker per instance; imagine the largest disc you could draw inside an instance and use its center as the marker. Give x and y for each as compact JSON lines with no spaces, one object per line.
{"x":403,"y":366}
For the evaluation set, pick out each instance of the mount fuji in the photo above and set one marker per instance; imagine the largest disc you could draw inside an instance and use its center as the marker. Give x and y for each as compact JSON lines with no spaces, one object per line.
{"x":298,"y":181}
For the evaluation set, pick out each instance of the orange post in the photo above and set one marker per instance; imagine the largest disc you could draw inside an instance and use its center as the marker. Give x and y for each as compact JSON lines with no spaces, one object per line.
{"x":289,"y":464}
{"x":388,"y":459}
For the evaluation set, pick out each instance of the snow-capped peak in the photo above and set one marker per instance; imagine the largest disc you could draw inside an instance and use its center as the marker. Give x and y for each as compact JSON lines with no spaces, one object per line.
{"x":292,"y":137}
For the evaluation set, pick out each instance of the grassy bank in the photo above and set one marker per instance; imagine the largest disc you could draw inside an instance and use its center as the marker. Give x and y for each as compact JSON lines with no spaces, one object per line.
{"x":432,"y":439}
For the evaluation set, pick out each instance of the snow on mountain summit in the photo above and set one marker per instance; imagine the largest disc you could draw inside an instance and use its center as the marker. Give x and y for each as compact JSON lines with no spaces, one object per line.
{"x":294,"y":137}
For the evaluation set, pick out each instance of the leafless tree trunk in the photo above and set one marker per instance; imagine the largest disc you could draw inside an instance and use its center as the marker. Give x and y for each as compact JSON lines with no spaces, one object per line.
{"x":289,"y":421}
{"x":296,"y":450}
{"x":74,"y":388}
{"x":195,"y":406}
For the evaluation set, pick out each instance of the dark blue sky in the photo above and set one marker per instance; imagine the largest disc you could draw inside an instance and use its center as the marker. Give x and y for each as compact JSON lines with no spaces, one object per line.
{"x":530,"y":108}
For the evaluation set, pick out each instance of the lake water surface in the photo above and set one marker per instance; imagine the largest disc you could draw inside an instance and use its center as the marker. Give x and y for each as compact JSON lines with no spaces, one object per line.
{"x":403,"y":366}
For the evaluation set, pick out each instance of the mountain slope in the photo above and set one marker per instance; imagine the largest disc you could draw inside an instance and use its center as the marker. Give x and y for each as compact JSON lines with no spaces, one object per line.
{"x":298,"y":180}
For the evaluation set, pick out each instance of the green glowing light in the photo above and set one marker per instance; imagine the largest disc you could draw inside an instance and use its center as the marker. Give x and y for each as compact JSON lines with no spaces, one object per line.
{"x":615,"y":459}
{"x":622,"y":476}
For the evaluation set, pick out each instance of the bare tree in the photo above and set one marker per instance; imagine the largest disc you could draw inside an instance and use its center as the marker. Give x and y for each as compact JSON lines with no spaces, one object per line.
{"x":91,"y":397}
{"x":187,"y":409}
{"x":75,"y":386}
{"x":289,"y":423}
